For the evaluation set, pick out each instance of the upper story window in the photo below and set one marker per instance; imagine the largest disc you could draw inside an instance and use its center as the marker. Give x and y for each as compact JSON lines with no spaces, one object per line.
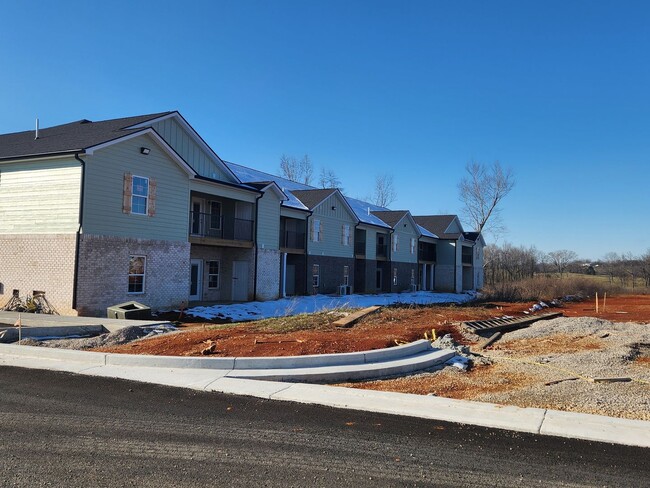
{"x":345,"y":234}
{"x":140,"y":195}
{"x":316,"y":230}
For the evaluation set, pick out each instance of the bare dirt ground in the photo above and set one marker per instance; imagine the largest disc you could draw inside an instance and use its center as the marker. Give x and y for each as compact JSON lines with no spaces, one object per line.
{"x":516,"y":370}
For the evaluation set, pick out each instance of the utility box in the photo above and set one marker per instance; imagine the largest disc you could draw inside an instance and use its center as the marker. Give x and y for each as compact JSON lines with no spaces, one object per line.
{"x":129,"y":310}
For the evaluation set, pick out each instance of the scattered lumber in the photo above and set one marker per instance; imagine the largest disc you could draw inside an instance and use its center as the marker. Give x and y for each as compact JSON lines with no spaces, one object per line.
{"x":549,"y":383}
{"x":492,"y":339}
{"x":611,"y":380}
{"x":507,"y":323}
{"x":351,"y":319}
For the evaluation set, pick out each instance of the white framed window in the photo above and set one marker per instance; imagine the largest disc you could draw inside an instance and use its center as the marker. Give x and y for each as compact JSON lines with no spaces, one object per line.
{"x":395,"y":276}
{"x":315,"y":275}
{"x":215,"y":215}
{"x":345,"y":234}
{"x":137,"y":271}
{"x":316,"y":230}
{"x":140,"y":195}
{"x":395,"y":242}
{"x":346,"y":275}
{"x":213,"y":274}
{"x":412,"y":245}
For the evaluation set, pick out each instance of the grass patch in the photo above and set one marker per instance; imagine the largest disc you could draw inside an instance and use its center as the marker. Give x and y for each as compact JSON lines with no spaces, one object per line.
{"x":294,"y":323}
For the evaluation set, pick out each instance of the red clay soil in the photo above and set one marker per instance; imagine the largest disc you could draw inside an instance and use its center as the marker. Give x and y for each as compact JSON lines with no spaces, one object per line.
{"x":317,"y":335}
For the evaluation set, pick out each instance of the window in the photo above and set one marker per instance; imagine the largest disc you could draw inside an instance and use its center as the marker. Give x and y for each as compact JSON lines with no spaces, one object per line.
{"x":215,"y":215}
{"x":346,"y":275}
{"x":316,"y":230}
{"x":139,"y":195}
{"x":345,"y":234}
{"x":412,"y":245}
{"x":395,"y":242}
{"x":213,"y":274}
{"x":137,"y":266}
{"x":315,"y":278}
{"x":395,"y":276}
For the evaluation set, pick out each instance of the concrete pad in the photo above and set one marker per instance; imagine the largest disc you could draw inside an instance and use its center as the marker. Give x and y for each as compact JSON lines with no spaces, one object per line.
{"x":43,"y":363}
{"x":238,"y":386}
{"x":597,"y":428}
{"x":449,"y":410}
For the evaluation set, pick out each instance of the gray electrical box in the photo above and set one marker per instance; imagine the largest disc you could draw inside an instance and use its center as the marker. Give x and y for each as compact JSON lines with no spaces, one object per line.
{"x":129,"y":310}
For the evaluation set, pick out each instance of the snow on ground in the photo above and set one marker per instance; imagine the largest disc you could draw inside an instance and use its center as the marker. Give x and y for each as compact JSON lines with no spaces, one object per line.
{"x":317,"y":303}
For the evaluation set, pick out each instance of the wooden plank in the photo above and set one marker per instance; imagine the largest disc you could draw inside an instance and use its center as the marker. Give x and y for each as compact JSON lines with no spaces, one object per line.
{"x":610,"y":380}
{"x":351,"y":319}
{"x":493,"y":338}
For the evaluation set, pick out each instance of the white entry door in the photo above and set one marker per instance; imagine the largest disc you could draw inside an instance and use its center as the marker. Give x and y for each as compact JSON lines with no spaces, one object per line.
{"x":239,"y":281}
{"x":196,"y":279}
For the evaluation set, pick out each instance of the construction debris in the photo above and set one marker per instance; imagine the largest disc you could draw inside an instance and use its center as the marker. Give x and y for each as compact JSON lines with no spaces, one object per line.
{"x":36,"y":303}
{"x":507,"y":323}
{"x":492,"y":339}
{"x":351,"y":319}
{"x":611,"y":380}
{"x":212,"y":347}
{"x":549,"y":383}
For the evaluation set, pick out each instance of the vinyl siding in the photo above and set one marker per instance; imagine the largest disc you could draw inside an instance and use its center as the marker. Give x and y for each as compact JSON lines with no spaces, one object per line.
{"x":103,"y":198}
{"x":268,"y":221}
{"x":223,"y":191}
{"x":202,"y":162}
{"x":40,"y":197}
{"x":405,"y":230}
{"x":332,"y":221}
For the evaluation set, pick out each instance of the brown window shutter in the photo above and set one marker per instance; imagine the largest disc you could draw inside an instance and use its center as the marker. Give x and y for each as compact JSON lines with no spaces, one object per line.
{"x":152,"y":197}
{"x":128,"y":192}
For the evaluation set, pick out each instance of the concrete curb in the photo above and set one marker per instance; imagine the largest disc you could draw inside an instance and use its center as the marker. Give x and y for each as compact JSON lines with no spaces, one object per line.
{"x":534,"y":420}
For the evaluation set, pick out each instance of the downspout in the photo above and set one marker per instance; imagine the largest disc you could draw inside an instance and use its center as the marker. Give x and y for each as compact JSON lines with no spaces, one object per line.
{"x":75,"y":279}
{"x":257,"y":213}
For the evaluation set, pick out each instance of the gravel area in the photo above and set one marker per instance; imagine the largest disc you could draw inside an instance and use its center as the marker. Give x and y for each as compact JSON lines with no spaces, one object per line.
{"x":516,"y":369}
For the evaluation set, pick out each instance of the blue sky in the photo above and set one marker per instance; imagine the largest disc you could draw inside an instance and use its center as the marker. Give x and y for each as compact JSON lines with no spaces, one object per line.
{"x":557,"y":91}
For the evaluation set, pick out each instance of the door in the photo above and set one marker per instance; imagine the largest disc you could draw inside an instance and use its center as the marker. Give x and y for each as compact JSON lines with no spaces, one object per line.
{"x":196,"y":279}
{"x":239,"y":281}
{"x":379,"y":280}
{"x":197,"y":207}
{"x":290,"y":277}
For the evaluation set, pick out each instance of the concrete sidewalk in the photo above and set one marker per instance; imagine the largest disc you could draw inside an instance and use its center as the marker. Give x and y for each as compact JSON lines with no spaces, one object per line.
{"x":533,"y":420}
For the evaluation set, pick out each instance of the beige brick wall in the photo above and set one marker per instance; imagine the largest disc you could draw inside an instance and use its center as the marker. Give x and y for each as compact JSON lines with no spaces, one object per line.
{"x":103,"y":273}
{"x":43,"y":262}
{"x":268,"y":274}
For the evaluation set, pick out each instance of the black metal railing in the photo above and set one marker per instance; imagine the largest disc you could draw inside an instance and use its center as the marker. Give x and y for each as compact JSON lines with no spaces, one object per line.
{"x":292,"y":240}
{"x":220,"y":227}
{"x":360,"y":248}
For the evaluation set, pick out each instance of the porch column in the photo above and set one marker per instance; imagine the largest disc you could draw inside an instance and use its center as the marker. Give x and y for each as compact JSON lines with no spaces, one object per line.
{"x":284,"y":274}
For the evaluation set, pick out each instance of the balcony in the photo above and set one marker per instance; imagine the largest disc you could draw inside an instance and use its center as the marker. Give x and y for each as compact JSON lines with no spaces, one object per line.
{"x":360,"y":248}
{"x":292,"y":240}
{"x":427,"y":252}
{"x":220,"y":227}
{"x":467,"y":259}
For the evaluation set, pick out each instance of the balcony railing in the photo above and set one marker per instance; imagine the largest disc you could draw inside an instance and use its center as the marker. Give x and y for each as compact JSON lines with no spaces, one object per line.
{"x":220,"y":227}
{"x":292,"y":240}
{"x":382,"y":250}
{"x":360,"y":248}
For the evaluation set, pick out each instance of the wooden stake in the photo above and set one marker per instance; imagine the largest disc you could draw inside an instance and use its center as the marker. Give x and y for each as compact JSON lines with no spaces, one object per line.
{"x":604,"y":301}
{"x":596,"y":302}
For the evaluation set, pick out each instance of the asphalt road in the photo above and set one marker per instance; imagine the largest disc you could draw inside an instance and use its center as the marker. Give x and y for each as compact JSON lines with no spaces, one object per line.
{"x":64,"y":430}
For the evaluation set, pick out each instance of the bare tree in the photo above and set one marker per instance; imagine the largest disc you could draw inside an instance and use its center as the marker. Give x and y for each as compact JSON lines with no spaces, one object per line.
{"x":385,"y":193}
{"x":300,"y":171}
{"x":328,"y":179}
{"x":481,"y":191}
{"x":561,"y":259}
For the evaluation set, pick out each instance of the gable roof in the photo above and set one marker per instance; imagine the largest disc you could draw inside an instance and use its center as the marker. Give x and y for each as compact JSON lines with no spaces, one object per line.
{"x":69,"y":138}
{"x":438,"y":224}
{"x":391,"y":217}
{"x":312,"y":198}
{"x":474,"y":237}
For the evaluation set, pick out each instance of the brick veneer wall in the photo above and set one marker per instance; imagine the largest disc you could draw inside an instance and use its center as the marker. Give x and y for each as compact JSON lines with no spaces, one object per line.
{"x":268,"y":274}
{"x":43,"y":262}
{"x":403,"y":276}
{"x":104,"y":267}
{"x":331,"y":273}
